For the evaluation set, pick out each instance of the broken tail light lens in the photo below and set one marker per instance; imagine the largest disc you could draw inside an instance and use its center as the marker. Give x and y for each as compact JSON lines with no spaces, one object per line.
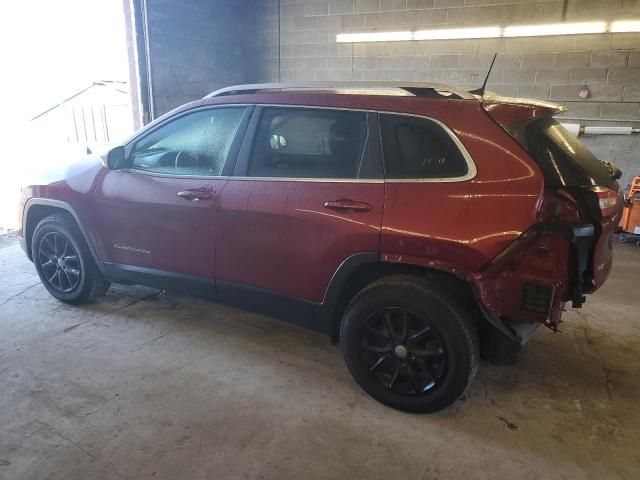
{"x":559,"y":206}
{"x":609,"y":201}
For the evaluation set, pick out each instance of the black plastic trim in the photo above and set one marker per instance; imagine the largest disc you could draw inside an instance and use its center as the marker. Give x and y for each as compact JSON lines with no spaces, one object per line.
{"x":581,"y":236}
{"x":63,"y":206}
{"x":242,"y":163}
{"x":326,"y":311}
{"x":314,"y":316}
{"x":23,"y":246}
{"x":519,"y":332}
{"x":269,"y":302}
{"x":178,"y":282}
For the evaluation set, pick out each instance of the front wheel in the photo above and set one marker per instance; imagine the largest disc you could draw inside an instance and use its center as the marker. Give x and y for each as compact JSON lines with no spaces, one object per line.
{"x":63,"y":261}
{"x":409,"y":344}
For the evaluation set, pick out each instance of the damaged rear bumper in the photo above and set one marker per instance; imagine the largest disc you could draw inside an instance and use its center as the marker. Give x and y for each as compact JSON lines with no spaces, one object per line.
{"x":529,"y":283}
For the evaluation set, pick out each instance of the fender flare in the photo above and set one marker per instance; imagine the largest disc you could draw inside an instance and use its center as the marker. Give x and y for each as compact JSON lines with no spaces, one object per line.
{"x":324,"y":311}
{"x":47,"y":202}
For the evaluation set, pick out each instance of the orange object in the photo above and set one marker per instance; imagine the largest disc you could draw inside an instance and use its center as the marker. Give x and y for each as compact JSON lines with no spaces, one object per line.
{"x":630,"y":221}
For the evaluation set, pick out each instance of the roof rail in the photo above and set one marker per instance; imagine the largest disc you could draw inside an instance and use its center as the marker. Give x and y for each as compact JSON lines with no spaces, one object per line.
{"x":419,"y":89}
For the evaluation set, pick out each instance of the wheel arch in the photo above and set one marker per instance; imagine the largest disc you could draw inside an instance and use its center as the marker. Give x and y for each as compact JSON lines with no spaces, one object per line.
{"x":360,"y":270}
{"x":37,"y":209}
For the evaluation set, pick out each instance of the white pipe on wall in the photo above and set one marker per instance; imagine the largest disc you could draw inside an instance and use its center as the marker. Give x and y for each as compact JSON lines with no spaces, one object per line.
{"x":609,"y":130}
{"x":578,"y":129}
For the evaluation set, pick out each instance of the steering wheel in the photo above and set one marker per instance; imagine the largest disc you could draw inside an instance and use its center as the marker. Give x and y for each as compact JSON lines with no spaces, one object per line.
{"x":182,"y":157}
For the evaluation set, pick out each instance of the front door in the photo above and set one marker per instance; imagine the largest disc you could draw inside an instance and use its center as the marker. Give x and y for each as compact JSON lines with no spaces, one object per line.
{"x":307,"y":194}
{"x":158,"y":215}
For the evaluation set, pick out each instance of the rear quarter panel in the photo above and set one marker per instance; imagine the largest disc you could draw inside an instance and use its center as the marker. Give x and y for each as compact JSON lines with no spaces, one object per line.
{"x":459,"y":226}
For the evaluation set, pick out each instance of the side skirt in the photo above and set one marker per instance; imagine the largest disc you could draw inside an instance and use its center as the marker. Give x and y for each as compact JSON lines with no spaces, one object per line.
{"x":307,"y":314}
{"x":244,"y":297}
{"x":270,"y":303}
{"x":176,"y":282}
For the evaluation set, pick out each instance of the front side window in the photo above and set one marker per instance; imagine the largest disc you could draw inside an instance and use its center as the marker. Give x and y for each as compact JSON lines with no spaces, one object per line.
{"x":417,"y":148}
{"x":308,"y":143}
{"x":195,"y":144}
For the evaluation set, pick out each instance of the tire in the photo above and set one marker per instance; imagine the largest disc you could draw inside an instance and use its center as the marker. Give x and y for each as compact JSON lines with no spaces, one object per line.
{"x":75,"y":279}
{"x":429,"y":363}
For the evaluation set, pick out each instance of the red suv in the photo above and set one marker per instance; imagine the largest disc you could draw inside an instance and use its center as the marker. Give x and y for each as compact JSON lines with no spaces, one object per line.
{"x":419,"y":225}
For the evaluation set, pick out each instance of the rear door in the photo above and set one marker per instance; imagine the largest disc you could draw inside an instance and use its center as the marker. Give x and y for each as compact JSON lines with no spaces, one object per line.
{"x":306,"y":195}
{"x":157,"y":215}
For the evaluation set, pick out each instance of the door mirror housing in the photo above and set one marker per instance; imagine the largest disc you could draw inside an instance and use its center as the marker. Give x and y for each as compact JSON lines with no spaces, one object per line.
{"x":115,"y":158}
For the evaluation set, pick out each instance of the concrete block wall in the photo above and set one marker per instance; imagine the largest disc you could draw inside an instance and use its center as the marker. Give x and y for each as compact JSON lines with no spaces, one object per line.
{"x":197,"y":46}
{"x":299,"y":44}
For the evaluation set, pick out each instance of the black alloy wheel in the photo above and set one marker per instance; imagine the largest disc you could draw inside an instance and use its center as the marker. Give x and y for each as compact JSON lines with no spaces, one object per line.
{"x":64,"y":262}
{"x":402,"y":351}
{"x":59,"y":262}
{"x":409,"y":343}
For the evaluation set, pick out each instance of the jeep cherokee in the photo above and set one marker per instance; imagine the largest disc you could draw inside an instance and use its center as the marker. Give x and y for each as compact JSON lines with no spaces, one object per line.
{"x":418,"y":225}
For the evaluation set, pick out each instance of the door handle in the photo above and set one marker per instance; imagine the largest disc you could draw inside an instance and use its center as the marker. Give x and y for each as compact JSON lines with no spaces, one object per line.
{"x":347,"y":205}
{"x":196,"y":194}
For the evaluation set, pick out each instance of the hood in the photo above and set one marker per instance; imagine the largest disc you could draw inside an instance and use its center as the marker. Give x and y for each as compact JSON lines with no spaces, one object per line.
{"x":70,"y":165}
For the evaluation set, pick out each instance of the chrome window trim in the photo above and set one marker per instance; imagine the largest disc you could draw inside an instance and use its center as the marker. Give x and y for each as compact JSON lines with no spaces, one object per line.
{"x":171,"y":175}
{"x":471,"y":173}
{"x":312,"y":179}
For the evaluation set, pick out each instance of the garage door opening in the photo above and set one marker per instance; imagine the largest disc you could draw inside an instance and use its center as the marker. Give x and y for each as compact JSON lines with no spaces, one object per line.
{"x":67,"y":85}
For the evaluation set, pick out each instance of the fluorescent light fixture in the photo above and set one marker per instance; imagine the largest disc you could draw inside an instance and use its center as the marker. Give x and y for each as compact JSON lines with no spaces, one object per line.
{"x":625,"y":26}
{"x":374,"y":37}
{"x":509,"y":31}
{"x":458,"y":33}
{"x":554,"y":29}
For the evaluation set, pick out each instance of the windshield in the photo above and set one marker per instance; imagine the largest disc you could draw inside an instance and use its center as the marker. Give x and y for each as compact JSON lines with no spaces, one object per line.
{"x":563,"y":159}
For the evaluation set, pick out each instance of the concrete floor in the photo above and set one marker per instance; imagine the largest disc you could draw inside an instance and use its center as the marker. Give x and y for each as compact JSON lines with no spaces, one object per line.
{"x":161,"y":386}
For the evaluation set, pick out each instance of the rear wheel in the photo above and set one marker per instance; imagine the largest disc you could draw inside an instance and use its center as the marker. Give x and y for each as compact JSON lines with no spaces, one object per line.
{"x":409,"y":344}
{"x":64,"y":263}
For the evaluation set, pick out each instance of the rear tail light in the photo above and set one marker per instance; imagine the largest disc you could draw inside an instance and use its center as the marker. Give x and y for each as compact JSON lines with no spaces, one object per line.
{"x":579,"y":205}
{"x":559,"y":206}
{"x":609,"y":201}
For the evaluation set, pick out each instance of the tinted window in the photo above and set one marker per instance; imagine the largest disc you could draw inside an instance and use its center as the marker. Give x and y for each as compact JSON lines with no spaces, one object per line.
{"x":194,"y":144}
{"x":563,"y":159}
{"x":308,"y":143}
{"x":418,"y":148}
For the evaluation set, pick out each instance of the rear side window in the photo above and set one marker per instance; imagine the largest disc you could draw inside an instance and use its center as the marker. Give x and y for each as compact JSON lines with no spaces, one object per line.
{"x":308,"y":143}
{"x":563,"y":159}
{"x":419,"y":148}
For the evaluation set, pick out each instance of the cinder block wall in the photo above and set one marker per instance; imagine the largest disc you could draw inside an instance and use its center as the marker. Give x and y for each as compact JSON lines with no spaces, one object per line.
{"x":197,"y":46}
{"x":299,"y":44}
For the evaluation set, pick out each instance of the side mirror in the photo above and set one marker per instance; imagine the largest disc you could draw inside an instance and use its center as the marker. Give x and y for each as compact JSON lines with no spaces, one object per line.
{"x":115,"y":158}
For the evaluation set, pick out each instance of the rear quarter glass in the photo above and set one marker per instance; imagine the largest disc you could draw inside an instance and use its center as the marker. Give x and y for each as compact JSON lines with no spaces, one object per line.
{"x":563,"y":159}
